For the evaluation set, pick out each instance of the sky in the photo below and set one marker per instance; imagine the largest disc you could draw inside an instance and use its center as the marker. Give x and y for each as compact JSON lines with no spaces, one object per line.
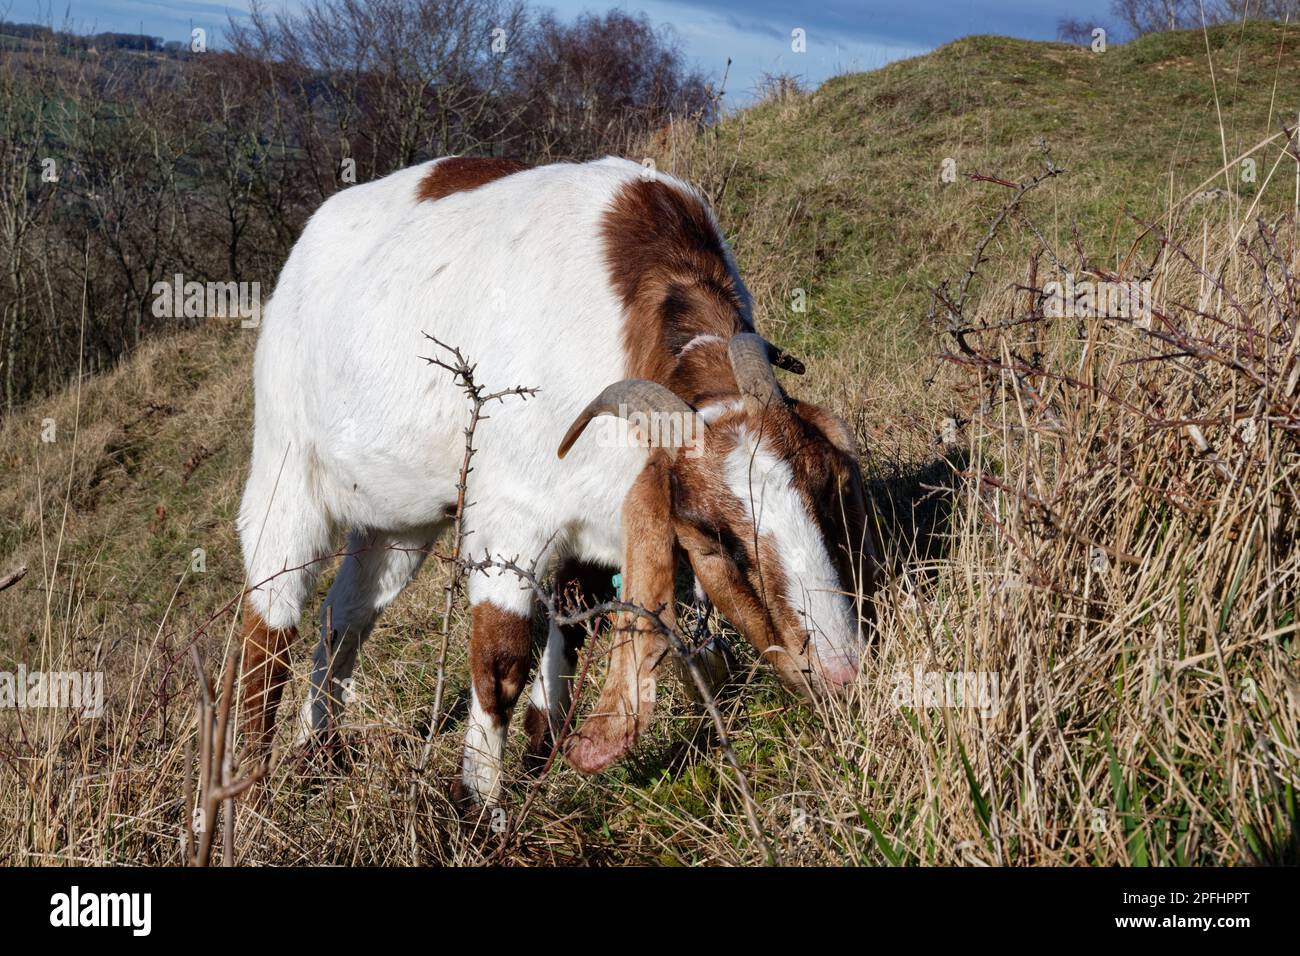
{"x":840,"y":35}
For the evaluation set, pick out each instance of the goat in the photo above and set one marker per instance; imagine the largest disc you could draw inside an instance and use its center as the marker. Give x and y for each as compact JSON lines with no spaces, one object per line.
{"x":566,"y":278}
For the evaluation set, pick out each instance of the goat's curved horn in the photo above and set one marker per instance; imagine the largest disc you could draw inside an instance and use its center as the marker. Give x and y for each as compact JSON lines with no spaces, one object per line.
{"x":634,"y":395}
{"x":751,"y":363}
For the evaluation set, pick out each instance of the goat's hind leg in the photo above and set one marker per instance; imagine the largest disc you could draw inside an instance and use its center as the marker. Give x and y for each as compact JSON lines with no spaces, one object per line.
{"x":285,"y":539}
{"x":376,"y":568}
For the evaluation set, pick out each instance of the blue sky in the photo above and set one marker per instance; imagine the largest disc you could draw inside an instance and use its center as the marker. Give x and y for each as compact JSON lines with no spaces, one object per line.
{"x":756,"y":34}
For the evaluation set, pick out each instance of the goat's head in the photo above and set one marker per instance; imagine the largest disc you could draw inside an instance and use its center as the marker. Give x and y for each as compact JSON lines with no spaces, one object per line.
{"x":766,"y":502}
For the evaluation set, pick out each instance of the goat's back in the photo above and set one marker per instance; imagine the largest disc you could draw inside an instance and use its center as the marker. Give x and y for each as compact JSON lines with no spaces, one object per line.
{"x":512,"y":273}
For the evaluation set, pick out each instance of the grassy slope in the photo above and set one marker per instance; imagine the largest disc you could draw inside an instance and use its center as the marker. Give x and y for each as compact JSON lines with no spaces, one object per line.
{"x":853,"y":171}
{"x":837,"y":192}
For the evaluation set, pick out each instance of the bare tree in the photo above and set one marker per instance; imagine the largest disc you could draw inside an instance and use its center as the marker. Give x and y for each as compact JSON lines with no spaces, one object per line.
{"x":1154,"y":16}
{"x":587,"y":88}
{"x":1070,"y":30}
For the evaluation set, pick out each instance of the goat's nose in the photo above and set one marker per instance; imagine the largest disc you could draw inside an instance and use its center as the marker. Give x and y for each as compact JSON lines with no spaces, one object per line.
{"x":836,"y":667}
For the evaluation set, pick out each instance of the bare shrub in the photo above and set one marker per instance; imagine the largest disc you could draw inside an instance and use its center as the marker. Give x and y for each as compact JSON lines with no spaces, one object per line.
{"x":1155,"y":16}
{"x":778,"y":88}
{"x":593,"y":86}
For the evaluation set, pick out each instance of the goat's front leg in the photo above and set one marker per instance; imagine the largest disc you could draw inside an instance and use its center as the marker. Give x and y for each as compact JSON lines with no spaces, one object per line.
{"x":500,"y":652}
{"x":578,"y":586}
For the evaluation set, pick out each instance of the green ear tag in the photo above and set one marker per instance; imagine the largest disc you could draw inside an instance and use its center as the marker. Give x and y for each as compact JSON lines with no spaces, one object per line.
{"x":617,"y":581}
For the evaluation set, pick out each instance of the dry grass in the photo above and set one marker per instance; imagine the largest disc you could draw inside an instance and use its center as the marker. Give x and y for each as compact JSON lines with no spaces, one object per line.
{"x":1130,"y":580}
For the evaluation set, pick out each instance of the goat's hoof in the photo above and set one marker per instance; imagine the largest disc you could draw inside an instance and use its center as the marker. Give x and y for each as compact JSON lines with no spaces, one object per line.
{"x":482,"y":821}
{"x":324,"y":755}
{"x":462,"y":796}
{"x":541,"y":742}
{"x":467,"y":802}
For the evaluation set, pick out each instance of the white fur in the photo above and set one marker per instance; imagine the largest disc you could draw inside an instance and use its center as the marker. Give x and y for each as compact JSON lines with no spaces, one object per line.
{"x":550,"y":693}
{"x":697,"y":341}
{"x":354,"y":430}
{"x":485,"y":744}
{"x":715,"y":410}
{"x":765,"y":484}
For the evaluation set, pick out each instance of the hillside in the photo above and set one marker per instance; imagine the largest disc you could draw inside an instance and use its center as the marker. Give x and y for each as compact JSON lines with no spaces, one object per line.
{"x":850,"y":175}
{"x":837,"y":192}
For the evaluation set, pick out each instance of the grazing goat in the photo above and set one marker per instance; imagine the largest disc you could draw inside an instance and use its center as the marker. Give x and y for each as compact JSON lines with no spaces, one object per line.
{"x":566,"y":278}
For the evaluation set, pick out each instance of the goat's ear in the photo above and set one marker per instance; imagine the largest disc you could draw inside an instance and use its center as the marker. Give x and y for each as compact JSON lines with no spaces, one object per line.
{"x":836,"y":429}
{"x":638,"y":642}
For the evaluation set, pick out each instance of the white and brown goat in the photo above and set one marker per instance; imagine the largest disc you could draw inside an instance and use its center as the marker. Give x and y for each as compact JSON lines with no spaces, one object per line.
{"x":566,"y":278}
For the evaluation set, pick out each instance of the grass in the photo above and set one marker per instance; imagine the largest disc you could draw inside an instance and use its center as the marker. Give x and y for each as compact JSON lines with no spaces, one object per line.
{"x":1134,"y":593}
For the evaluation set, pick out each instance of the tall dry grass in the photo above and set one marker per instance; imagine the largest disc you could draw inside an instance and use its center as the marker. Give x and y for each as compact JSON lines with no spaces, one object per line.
{"x":1123,"y":556}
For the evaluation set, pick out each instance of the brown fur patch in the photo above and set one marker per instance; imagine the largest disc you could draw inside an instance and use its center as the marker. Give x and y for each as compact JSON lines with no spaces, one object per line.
{"x":263,"y":676}
{"x":667,"y":264}
{"x":537,"y":728}
{"x":739,"y":570}
{"x":649,"y":562}
{"x":458,"y":174}
{"x":500,"y":650}
{"x":703,"y":374}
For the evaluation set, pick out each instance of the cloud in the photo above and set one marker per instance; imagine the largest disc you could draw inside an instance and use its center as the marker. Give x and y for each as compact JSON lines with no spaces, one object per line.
{"x":754,"y":26}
